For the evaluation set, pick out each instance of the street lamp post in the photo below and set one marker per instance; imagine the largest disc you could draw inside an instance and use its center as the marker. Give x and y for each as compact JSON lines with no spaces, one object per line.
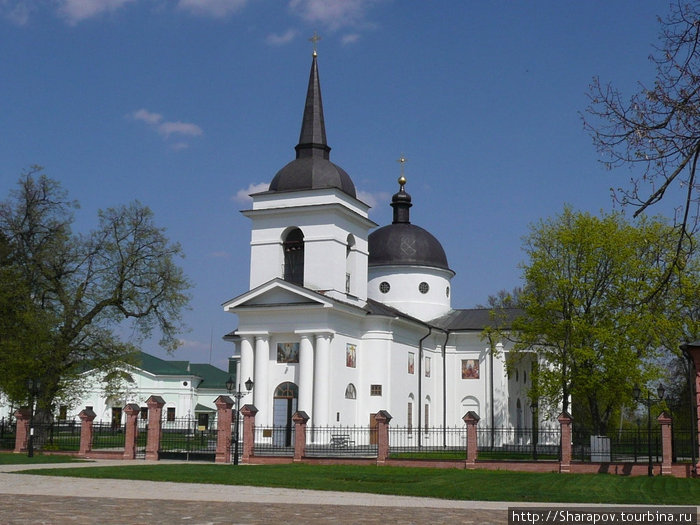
{"x":237,"y":395}
{"x":33,"y":388}
{"x":533,"y":409}
{"x":648,"y":402}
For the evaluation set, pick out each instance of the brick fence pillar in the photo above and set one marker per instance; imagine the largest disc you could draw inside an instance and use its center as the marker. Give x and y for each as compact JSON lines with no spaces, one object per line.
{"x":692,"y":352}
{"x":224,"y":417}
{"x":155,"y":413}
{"x":132,"y":412}
{"x":665,"y":421}
{"x":248,"y":412}
{"x":300,"y":419}
{"x":471,"y":418}
{"x":382,"y":418}
{"x":86,"y":416}
{"x":565,"y":420}
{"x":22,"y":417}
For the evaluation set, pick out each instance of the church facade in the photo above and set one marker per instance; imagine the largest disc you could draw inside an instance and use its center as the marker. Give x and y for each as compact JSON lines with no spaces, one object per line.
{"x":343,"y":319}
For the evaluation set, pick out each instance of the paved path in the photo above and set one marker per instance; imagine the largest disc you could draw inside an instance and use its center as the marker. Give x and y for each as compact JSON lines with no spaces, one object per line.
{"x":31,"y":499}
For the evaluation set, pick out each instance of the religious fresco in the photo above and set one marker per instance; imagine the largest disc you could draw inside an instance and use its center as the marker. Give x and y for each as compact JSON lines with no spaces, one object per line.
{"x":470,"y":369}
{"x":350,"y":355}
{"x":287,"y":352}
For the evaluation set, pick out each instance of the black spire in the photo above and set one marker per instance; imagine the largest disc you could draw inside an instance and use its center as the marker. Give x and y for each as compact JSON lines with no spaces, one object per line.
{"x":312,"y":139}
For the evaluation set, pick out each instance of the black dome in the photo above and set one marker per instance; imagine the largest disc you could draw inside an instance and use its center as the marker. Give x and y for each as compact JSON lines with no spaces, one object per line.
{"x":405,"y":244}
{"x":309,"y":173}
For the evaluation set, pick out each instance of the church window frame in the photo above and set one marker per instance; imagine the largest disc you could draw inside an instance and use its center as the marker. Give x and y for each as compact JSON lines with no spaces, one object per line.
{"x":375,"y":390}
{"x":423,"y":287}
{"x":350,"y":392}
{"x":384,"y":287}
{"x":293,"y":251}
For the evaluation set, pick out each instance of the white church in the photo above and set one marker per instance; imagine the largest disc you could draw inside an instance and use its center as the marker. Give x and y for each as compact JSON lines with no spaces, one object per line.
{"x":343,"y":319}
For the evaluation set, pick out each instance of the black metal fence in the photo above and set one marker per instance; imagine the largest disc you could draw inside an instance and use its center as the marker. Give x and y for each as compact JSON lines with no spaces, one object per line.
{"x":341,"y":441}
{"x":184,"y":438}
{"x":57,"y":435}
{"x":627,"y":445}
{"x":274,"y":441}
{"x":7,"y":434}
{"x":505,"y":443}
{"x":428,"y":443}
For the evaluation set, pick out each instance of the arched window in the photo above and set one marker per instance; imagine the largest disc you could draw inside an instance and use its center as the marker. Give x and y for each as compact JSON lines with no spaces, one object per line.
{"x":287,"y":390}
{"x":350,"y":392}
{"x":293,"y":247}
{"x":349,"y":249}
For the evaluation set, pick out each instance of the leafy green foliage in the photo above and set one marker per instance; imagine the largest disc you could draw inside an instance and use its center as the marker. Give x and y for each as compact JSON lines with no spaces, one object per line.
{"x":593,"y":310}
{"x":64,"y":295}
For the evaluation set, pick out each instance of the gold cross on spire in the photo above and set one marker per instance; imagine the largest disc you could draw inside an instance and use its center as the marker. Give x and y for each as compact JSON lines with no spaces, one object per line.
{"x":314,"y":40}
{"x":402,"y":180}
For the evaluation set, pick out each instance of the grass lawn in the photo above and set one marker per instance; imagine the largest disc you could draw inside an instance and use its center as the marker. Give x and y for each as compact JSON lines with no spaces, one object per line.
{"x":427,"y":482}
{"x":10,"y":458}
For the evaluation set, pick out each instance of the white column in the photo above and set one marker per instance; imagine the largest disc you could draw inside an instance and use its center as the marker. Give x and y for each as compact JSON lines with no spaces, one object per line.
{"x":306,"y":374}
{"x":261,"y":395}
{"x":245,"y":366}
{"x":322,"y":379}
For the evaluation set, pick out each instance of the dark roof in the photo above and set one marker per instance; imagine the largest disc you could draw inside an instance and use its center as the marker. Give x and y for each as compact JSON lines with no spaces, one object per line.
{"x":476,"y":319}
{"x":402,"y":243}
{"x":312,"y":168}
{"x":405,"y":245}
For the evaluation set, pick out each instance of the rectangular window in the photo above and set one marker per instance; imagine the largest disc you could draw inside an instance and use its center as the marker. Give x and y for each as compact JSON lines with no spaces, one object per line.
{"x":287,"y":352}
{"x":171,"y":414}
{"x":427,"y":418}
{"x":409,"y":418}
{"x":347,"y":283}
{"x":375,"y":390}
{"x":144,"y":412}
{"x":411,"y":361}
{"x":116,"y":417}
{"x":427,"y":367}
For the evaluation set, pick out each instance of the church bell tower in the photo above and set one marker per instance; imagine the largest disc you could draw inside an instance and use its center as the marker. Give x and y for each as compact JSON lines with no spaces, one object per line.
{"x":309,"y":228}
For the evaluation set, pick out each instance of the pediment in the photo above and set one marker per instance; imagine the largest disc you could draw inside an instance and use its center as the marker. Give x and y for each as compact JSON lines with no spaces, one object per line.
{"x":277,"y":293}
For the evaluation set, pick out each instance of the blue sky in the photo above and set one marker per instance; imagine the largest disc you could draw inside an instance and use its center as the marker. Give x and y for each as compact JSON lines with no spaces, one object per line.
{"x":188,"y":105}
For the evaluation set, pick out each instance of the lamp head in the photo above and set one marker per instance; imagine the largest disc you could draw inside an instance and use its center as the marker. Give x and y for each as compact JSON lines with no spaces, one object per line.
{"x":249,"y":385}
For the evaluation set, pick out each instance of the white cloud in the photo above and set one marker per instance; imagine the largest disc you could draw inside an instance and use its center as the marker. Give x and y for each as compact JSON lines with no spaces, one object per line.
{"x":17,"y":11}
{"x":186,"y":344}
{"x":214,"y":8}
{"x":350,"y":38}
{"x":147,"y":117}
{"x":278,"y":40}
{"x":167,"y":128}
{"x":179,"y":128}
{"x":242,"y":196}
{"x":75,"y":11}
{"x":372,"y":199}
{"x":333,"y":14}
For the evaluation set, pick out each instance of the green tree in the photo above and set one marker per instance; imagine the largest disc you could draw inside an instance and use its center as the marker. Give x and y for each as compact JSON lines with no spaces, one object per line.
{"x":66,"y":295}
{"x":586,"y":310}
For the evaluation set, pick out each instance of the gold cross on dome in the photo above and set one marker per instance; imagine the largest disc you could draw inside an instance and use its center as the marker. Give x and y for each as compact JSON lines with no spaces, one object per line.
{"x":314,"y":40}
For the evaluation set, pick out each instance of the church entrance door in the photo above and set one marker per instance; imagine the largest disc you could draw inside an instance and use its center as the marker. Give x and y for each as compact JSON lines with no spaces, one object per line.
{"x":283,"y":408}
